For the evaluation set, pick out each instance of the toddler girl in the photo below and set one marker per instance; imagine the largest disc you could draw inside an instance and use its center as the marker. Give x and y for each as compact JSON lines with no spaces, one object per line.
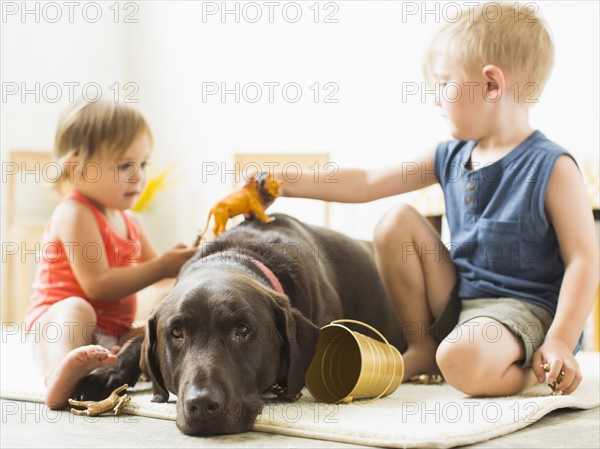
{"x":96,"y":256}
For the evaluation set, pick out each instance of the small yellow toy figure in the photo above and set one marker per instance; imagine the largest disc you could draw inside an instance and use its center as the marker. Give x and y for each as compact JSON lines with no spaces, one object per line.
{"x":114,"y":403}
{"x":247,"y":200}
{"x":554,"y":384}
{"x":427,"y":379}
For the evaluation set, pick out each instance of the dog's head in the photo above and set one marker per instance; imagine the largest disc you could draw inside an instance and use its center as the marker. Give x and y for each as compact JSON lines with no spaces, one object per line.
{"x":218,"y":341}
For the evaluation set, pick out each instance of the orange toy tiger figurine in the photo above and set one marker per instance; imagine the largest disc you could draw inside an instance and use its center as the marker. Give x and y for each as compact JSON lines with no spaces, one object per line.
{"x":247,"y":200}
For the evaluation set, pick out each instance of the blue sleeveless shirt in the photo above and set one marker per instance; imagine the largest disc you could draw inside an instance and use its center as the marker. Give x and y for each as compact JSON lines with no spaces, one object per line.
{"x":502,"y":244}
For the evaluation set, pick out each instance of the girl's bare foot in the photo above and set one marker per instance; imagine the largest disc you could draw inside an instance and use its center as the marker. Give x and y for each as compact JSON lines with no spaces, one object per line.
{"x":75,"y":366}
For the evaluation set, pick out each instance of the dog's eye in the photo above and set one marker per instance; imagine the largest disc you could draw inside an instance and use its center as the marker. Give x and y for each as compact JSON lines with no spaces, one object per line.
{"x":242,"y":330}
{"x":177,"y":332}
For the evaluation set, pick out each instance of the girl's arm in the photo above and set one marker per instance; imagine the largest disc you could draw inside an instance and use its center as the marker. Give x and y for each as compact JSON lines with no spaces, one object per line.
{"x":569,"y":212}
{"x":360,"y":185}
{"x":77,"y":229}
{"x":148,"y":251}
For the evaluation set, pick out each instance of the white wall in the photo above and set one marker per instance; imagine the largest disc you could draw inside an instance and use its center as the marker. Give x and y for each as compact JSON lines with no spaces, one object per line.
{"x":368,"y":54}
{"x":43,"y":65}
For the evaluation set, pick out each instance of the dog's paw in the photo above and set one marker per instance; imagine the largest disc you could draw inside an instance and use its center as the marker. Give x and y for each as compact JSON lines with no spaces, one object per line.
{"x":100,"y":383}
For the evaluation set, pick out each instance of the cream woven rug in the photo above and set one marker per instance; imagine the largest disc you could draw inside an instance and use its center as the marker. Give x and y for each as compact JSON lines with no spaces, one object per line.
{"x":414,"y":416}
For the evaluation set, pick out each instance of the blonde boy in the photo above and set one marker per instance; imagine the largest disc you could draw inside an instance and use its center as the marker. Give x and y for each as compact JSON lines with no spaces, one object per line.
{"x":518,"y":284}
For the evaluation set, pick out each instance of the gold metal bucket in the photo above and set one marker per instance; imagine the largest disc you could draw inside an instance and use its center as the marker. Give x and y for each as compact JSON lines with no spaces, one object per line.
{"x":349,"y":365}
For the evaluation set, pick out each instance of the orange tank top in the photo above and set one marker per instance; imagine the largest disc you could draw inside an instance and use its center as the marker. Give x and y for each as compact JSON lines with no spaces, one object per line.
{"x":55,"y":280}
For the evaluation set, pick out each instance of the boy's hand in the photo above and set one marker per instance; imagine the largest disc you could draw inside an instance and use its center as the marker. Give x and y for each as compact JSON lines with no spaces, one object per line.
{"x":173,"y":260}
{"x":557,"y":354}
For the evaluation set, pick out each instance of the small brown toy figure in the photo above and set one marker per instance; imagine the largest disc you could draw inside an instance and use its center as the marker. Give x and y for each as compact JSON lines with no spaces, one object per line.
{"x":113,"y":403}
{"x":247,"y":200}
{"x":554,"y":384}
{"x":427,"y":379}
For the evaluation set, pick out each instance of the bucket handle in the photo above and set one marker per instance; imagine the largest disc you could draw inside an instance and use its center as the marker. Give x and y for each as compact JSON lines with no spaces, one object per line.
{"x":371,"y":328}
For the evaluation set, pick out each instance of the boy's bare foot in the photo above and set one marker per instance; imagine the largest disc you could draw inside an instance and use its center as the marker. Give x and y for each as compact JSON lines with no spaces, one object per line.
{"x":75,"y":366}
{"x":417,"y":361}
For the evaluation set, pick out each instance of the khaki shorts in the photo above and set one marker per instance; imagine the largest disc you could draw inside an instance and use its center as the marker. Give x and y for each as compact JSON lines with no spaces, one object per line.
{"x":528,"y":322}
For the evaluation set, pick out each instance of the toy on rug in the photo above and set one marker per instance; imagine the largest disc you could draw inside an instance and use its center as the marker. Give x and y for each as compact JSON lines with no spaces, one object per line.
{"x":247,"y":200}
{"x":555,"y":382}
{"x":283,"y":395}
{"x":427,"y":379}
{"x":113,"y":403}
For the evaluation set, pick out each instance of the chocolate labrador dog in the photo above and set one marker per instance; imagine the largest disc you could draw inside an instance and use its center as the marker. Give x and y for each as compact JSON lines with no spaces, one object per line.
{"x":243,"y":318}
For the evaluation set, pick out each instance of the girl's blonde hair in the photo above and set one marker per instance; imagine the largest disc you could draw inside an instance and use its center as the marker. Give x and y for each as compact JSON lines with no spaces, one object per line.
{"x":88,"y":129}
{"x":511,"y":36}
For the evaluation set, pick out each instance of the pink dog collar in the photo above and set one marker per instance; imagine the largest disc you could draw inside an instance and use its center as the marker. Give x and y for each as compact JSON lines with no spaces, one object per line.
{"x":257,"y":263}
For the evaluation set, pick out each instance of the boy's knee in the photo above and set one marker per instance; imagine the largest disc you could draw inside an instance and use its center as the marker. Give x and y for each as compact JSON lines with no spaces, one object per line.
{"x":450,"y":357}
{"x":463,"y":365}
{"x":394,"y":223}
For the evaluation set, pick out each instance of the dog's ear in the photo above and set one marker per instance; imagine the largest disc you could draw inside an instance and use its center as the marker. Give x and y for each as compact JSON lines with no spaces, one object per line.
{"x":149,"y":362}
{"x":300,"y":337}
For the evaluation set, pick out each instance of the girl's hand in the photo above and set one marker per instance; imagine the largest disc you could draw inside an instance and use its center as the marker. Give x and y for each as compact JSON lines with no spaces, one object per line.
{"x":557,"y":354}
{"x":173,"y":260}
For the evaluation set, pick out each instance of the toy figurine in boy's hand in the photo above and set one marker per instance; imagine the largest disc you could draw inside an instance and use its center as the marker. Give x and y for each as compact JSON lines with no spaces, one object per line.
{"x":554,"y":384}
{"x":248,"y":200}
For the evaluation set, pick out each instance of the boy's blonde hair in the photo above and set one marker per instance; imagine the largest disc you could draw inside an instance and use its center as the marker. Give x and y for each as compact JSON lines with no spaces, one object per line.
{"x":88,"y":129}
{"x":509,"y":35}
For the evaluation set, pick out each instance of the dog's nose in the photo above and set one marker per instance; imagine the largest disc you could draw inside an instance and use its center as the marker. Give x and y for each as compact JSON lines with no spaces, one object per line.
{"x":203,"y":402}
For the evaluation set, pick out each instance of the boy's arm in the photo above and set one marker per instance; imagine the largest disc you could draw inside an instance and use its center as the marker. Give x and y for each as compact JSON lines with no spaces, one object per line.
{"x":350,"y":185}
{"x":88,"y":258}
{"x":569,"y":212}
